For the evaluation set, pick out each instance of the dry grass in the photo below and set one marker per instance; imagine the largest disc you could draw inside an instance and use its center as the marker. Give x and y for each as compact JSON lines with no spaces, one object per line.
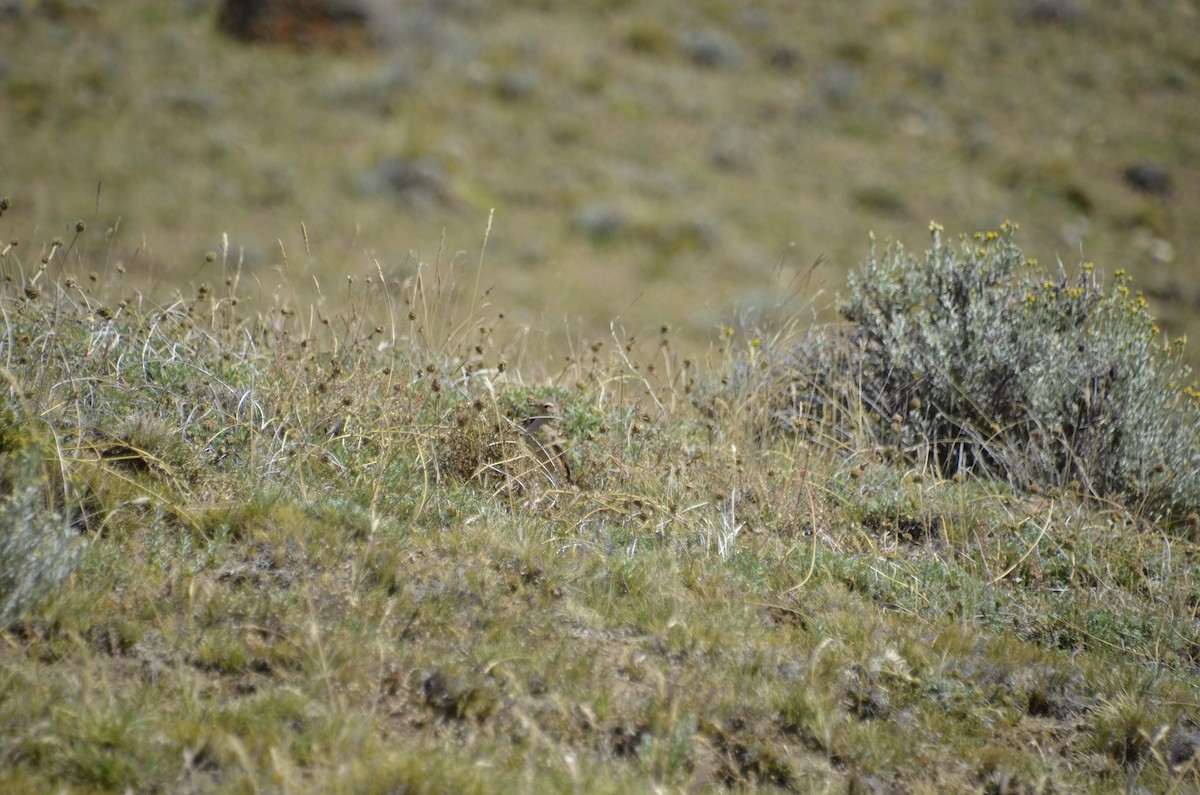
{"x":725,"y":148}
{"x":320,"y":560}
{"x":278,"y":410}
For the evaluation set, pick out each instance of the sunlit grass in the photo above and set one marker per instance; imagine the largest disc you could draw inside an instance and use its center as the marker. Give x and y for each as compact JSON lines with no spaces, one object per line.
{"x":319,"y":558}
{"x":728,"y":178}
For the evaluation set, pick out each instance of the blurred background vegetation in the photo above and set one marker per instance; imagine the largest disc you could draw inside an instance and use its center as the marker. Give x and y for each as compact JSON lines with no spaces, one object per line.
{"x":651,"y":162}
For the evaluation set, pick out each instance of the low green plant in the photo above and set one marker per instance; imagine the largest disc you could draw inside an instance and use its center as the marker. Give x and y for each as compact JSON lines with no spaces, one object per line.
{"x":969,"y":359}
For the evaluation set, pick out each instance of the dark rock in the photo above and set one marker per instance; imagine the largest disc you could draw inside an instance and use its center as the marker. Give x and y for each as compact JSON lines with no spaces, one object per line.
{"x":1067,"y":13}
{"x":513,"y":86}
{"x":710,"y":49}
{"x":337,"y":24}
{"x":1149,"y":178}
{"x":838,"y":84}
{"x":784,"y":57}
{"x":419,"y":183}
{"x":600,"y":222}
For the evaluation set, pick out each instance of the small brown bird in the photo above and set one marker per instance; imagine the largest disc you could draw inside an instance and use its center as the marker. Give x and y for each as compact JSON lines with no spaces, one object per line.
{"x":541,"y":435}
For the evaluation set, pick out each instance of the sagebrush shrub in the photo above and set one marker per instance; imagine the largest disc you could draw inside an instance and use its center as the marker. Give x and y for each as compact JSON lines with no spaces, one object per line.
{"x":38,"y":546}
{"x":970,"y":359}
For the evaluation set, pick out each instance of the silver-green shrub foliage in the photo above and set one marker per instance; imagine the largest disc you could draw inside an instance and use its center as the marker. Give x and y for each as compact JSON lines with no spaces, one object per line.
{"x":38,"y":547}
{"x":970,"y":359}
